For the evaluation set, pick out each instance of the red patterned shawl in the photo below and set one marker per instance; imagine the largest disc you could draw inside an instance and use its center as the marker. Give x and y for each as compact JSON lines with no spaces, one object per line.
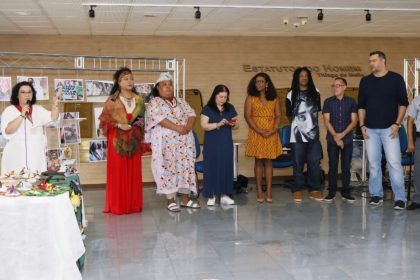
{"x":126,"y":143}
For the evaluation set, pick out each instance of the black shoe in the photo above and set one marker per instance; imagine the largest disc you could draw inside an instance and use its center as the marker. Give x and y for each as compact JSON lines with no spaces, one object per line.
{"x":375,"y":200}
{"x":347,"y":197}
{"x":413,"y":206}
{"x":399,"y":205}
{"x":329,"y":198}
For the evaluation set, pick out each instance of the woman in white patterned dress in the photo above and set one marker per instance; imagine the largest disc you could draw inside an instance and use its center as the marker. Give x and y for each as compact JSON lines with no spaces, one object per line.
{"x":169,"y":122}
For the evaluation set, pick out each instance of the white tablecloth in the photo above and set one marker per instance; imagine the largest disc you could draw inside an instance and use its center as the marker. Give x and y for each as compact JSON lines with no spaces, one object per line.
{"x":39,"y":238}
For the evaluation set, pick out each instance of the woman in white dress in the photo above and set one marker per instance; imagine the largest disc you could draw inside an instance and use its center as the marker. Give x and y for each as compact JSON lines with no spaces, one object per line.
{"x":169,"y":125}
{"x":22,"y":126}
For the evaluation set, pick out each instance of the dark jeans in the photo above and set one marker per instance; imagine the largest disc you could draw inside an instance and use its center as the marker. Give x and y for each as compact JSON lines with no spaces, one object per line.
{"x":346,"y":154}
{"x":311,"y":153}
{"x":416,"y":197}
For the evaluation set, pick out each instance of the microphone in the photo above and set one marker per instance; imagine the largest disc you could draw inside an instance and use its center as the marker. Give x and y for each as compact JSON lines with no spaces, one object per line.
{"x":27,"y":114}
{"x":28,"y":103}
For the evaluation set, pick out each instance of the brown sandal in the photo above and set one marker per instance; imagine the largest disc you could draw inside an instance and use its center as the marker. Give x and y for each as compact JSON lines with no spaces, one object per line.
{"x":173,"y":207}
{"x":191,"y":204}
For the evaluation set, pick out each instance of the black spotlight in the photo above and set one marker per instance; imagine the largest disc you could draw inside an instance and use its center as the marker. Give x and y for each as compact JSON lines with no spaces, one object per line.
{"x":92,"y":12}
{"x":197,"y":13}
{"x":320,"y":15}
{"x":368,"y":15}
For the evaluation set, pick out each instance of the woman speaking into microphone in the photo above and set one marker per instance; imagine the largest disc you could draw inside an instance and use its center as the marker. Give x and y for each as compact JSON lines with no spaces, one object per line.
{"x":22,"y":126}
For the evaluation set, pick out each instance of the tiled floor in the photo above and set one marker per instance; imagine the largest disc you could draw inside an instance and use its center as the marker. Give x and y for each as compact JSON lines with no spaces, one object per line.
{"x":253,"y":241}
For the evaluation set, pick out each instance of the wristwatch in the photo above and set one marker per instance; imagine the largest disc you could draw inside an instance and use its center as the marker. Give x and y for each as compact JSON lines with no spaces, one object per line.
{"x":397,"y":124}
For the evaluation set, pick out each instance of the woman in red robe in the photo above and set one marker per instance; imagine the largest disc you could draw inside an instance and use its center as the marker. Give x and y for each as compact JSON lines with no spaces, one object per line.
{"x":123,"y":123}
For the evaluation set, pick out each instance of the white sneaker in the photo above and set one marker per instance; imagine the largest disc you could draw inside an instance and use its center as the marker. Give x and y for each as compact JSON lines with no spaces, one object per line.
{"x":226,"y":200}
{"x":211,"y":201}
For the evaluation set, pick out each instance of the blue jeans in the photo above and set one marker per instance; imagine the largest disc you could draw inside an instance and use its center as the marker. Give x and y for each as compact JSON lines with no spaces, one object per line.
{"x":334,"y":152}
{"x":416,"y":196}
{"x":377,"y":139}
{"x":311,"y":153}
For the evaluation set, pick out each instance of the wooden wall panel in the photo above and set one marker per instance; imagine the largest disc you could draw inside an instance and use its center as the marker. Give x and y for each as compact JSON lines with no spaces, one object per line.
{"x":214,"y":60}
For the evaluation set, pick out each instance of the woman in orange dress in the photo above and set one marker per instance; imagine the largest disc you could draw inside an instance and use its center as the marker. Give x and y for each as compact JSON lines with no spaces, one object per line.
{"x":262,"y":113}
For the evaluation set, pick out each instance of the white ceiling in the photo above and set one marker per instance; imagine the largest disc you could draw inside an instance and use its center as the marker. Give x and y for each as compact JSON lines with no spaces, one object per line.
{"x":65,"y":17}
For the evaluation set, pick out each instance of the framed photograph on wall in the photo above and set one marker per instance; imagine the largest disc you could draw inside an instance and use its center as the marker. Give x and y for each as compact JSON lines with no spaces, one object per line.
{"x":98,"y":150}
{"x":40,"y":85}
{"x":97,"y":112}
{"x":85,"y":110}
{"x":68,"y":90}
{"x":98,"y":91}
{"x":70,"y":134}
{"x":144,"y":89}
{"x":5,"y":88}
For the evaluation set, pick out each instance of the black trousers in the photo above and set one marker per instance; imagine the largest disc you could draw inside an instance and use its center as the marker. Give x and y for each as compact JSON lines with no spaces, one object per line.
{"x":334,"y":152}
{"x":311,"y":153}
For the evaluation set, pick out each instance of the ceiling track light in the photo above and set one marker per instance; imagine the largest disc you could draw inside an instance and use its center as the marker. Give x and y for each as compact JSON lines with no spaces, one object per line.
{"x":197,"y":14}
{"x":368,"y":15}
{"x":320,"y":15}
{"x":92,"y":11}
{"x":252,"y":7}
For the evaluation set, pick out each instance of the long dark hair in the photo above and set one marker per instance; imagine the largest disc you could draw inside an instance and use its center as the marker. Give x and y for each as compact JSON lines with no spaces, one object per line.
{"x":270,"y":93}
{"x":212,"y":101}
{"x":117,"y":76}
{"x":14,"y":100}
{"x":296,"y":89}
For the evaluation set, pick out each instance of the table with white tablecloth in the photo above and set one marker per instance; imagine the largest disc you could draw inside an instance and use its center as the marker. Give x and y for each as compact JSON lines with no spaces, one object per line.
{"x":39,"y":238}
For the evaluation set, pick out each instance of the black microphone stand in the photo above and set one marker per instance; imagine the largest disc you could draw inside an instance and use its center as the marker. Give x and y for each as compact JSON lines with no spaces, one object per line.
{"x":26,"y":145}
{"x":26,"y":140}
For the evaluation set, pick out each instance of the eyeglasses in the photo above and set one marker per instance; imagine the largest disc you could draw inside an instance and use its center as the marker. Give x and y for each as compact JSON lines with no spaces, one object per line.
{"x":337,"y":86}
{"x":25,"y":92}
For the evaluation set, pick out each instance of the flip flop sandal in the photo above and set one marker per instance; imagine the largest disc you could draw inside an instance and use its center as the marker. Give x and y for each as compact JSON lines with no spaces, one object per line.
{"x":173,"y":207}
{"x":191,"y":204}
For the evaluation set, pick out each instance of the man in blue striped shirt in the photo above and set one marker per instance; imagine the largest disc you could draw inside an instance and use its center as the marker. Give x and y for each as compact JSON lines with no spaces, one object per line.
{"x":340,"y":117}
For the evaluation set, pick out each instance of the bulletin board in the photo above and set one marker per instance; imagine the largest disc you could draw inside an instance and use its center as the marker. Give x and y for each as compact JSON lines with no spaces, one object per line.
{"x":352,"y":92}
{"x":195,"y":100}
{"x":85,"y":110}
{"x":281,"y":95}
